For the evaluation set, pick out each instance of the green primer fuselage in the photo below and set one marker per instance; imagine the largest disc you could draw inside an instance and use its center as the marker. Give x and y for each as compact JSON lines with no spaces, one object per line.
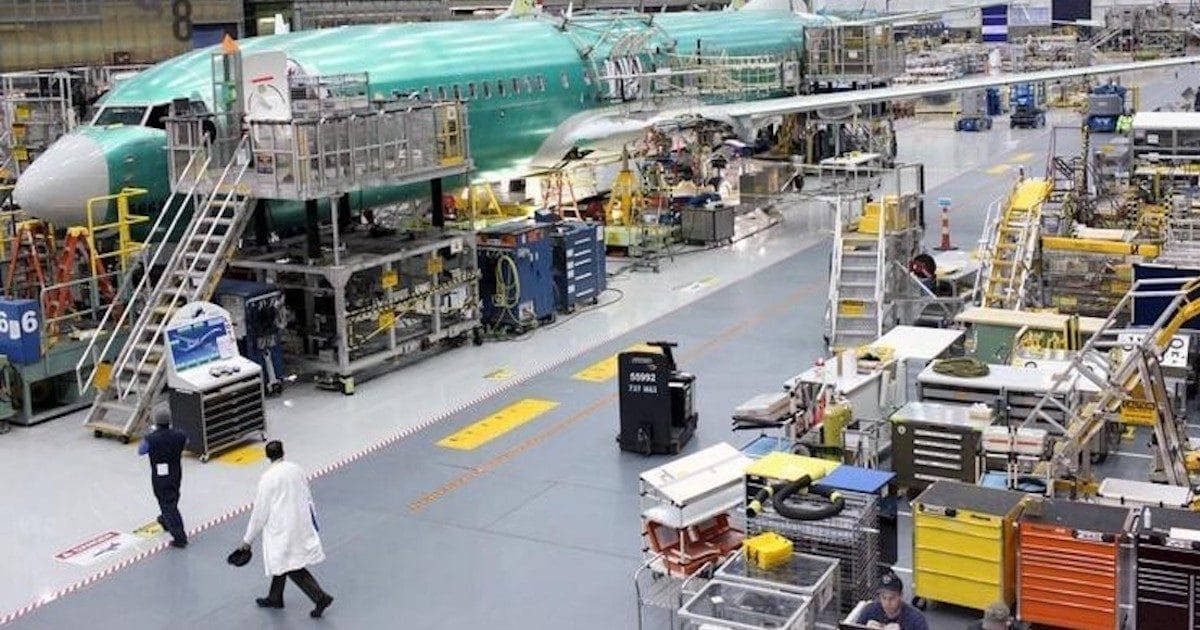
{"x":506,"y":130}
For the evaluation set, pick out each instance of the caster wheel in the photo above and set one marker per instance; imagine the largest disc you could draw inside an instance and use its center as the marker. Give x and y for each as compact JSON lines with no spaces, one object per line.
{"x":97,"y":434}
{"x":262,"y":436}
{"x":477,"y":337}
{"x":204,"y":459}
{"x":276,"y":389}
{"x":124,"y":439}
{"x":920,"y":603}
{"x":348,"y":387}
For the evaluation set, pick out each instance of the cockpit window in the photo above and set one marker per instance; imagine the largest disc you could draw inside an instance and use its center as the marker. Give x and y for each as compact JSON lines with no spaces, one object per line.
{"x":158,"y":116}
{"x":120,"y":116}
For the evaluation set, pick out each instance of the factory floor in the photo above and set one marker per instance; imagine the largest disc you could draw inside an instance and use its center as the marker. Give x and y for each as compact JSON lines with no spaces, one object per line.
{"x":535,"y":528}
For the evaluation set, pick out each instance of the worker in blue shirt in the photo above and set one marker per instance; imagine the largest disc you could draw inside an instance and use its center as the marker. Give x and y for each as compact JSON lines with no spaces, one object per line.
{"x":165,"y":447}
{"x":889,"y":610}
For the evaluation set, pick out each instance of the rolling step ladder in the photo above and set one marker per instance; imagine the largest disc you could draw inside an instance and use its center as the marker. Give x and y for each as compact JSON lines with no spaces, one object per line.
{"x":856,"y":291}
{"x":1013,"y":244}
{"x":1133,"y":388}
{"x":194,"y":266}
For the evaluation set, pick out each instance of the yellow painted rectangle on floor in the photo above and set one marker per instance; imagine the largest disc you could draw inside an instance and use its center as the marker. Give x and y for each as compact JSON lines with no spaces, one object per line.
{"x":497,"y":424}
{"x":606,"y":369}
{"x":998,"y":169}
{"x":243,"y":455}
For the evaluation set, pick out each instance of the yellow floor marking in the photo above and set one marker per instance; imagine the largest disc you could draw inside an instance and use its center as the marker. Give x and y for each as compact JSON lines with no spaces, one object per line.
{"x":243,"y":455}
{"x":497,"y":424}
{"x":149,"y":530}
{"x":606,"y":369}
{"x":499,"y":374}
{"x":998,"y":169}
{"x":496,"y":462}
{"x":1022,"y":157}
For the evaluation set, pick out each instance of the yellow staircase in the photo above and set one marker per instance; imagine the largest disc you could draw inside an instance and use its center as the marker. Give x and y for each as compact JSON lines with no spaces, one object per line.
{"x":1013,"y":243}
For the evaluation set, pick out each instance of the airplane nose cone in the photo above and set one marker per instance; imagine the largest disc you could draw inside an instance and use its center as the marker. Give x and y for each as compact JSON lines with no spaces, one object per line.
{"x":57,"y":186}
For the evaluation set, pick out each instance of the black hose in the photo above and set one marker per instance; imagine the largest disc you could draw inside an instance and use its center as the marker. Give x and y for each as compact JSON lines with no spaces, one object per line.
{"x":806,"y":513}
{"x":779,"y":493}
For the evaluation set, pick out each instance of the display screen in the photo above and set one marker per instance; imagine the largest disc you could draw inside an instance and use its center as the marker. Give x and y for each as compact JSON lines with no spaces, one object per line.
{"x":197,"y":343}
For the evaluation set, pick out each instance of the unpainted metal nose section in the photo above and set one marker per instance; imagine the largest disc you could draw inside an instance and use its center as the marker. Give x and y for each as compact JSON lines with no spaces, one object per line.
{"x":59,"y":183}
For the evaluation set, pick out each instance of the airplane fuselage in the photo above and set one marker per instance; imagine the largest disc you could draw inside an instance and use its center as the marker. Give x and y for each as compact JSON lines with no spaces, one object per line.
{"x":522,"y":81}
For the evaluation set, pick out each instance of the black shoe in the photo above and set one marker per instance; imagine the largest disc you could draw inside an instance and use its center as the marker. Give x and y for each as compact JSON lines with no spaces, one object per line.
{"x":267,"y":602}
{"x":179,"y":544}
{"x":158,"y":519}
{"x":320,"y":609}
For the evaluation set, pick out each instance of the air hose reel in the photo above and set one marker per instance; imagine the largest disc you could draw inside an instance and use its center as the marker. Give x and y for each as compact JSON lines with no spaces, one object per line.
{"x":780,"y":493}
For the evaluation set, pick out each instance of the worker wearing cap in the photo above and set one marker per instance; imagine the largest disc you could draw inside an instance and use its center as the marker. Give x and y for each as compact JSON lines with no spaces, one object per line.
{"x":998,"y":617}
{"x":165,"y":446}
{"x":889,"y":610}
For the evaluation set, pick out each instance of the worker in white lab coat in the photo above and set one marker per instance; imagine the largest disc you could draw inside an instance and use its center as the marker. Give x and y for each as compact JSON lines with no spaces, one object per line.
{"x":283,"y":513}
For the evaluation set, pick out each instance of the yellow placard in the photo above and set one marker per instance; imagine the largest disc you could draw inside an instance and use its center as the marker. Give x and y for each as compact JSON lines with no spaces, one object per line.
{"x":243,"y":455}
{"x":20,"y":154}
{"x":1139,"y":412}
{"x":434,"y":265}
{"x":390,"y":279}
{"x":606,"y":369}
{"x":852,"y":308}
{"x":387,"y":319}
{"x":497,"y":424}
{"x":21,"y":112}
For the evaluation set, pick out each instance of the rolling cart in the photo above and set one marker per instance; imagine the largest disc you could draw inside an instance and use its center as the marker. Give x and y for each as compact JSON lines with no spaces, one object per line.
{"x":815,"y":577}
{"x":964,"y":545}
{"x":1069,"y":564}
{"x":733,"y":606}
{"x":1168,"y":569}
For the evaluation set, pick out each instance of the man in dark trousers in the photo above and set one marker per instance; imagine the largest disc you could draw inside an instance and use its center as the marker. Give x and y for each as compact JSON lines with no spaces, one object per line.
{"x":165,"y":446}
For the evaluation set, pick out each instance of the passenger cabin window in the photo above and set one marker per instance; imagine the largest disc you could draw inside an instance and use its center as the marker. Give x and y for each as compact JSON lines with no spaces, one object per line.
{"x":527,"y":84}
{"x":441,"y":92}
{"x":541,"y":83}
{"x":428,"y":94}
{"x":487,"y":89}
{"x":500,"y":88}
{"x":566,"y":81}
{"x":471,"y":91}
{"x":130,"y":116}
{"x":516,"y":83}
{"x":158,"y":116}
{"x":457,"y":93}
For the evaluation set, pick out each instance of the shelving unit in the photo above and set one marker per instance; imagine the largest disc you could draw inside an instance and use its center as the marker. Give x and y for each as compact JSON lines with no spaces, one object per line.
{"x":217,"y":419}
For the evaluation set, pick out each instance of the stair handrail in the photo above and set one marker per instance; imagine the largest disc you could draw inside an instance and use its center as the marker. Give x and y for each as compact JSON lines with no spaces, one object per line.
{"x":90,"y":350}
{"x":987,"y":241}
{"x":180,"y":252}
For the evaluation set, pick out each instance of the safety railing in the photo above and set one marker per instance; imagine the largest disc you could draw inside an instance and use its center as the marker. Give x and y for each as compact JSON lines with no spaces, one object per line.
{"x":122,"y":225}
{"x":116,"y":316}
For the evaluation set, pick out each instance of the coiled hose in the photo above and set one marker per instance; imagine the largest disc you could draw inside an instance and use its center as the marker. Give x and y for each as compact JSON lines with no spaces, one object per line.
{"x":781,"y":492}
{"x":962,"y":367}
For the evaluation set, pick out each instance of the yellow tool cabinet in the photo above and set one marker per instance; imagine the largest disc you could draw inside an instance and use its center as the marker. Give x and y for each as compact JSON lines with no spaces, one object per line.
{"x":964,"y":544}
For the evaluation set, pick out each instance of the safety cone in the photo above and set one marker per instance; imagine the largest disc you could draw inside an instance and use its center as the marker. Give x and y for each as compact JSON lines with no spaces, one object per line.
{"x":945,"y":246}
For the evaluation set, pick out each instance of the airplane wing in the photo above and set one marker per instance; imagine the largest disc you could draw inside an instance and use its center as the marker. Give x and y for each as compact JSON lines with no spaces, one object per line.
{"x":813,"y":102}
{"x":614,"y":123}
{"x":916,"y":16}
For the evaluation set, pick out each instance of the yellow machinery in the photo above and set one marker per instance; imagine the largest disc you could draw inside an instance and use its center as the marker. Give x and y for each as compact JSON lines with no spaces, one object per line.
{"x":886,"y":215}
{"x":964,"y":544}
{"x":623,"y":222}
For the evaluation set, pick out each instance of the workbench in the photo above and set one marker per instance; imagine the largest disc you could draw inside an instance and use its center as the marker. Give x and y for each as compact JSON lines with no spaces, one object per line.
{"x":1020,"y":388}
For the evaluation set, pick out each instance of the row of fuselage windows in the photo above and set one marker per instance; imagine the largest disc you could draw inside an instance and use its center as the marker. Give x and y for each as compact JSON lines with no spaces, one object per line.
{"x":500,"y":88}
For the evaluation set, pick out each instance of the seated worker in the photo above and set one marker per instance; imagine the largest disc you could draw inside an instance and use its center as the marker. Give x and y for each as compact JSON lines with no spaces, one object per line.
{"x":998,"y":617}
{"x":889,"y":610}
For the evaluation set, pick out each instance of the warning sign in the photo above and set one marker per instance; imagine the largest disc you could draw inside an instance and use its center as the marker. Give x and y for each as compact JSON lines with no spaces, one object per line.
{"x":98,"y":549}
{"x":1139,"y":412}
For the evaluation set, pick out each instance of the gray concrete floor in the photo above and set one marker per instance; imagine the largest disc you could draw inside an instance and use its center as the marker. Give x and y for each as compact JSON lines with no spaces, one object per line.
{"x":539,"y":528}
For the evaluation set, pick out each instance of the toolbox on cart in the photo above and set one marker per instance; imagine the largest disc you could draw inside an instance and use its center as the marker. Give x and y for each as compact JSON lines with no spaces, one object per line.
{"x":1168,"y":569}
{"x":1069,"y":564}
{"x":964,"y":544}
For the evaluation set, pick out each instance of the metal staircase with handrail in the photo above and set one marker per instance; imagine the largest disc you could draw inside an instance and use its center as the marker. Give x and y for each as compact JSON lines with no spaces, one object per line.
{"x":1131,"y":385}
{"x":137,"y":373}
{"x":1005,"y":272}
